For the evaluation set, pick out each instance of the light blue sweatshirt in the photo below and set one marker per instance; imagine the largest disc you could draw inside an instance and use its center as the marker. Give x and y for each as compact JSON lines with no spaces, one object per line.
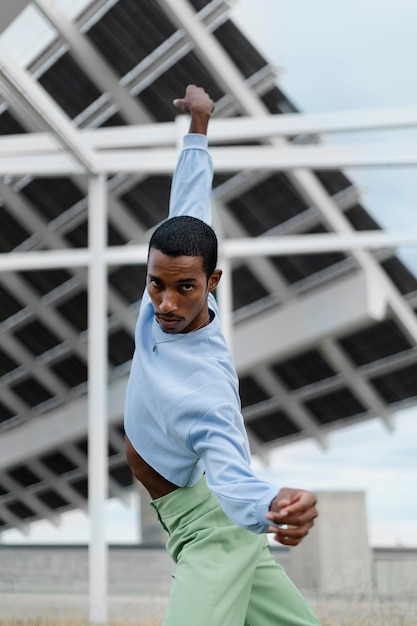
{"x":182,"y":407}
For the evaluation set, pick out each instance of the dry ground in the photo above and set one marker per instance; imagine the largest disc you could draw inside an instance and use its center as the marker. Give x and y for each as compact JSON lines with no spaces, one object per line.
{"x":332,"y":613}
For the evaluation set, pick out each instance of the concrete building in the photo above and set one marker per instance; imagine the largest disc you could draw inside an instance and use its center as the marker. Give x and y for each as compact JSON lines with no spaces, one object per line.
{"x":335,"y":557}
{"x":146,"y":571}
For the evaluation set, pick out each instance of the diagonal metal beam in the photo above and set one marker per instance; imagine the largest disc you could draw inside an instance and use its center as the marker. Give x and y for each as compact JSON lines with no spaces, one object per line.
{"x":34,"y":366}
{"x":93,"y":63}
{"x":24,"y":212}
{"x":29,"y":498}
{"x":56,"y":428}
{"x":298,"y":414}
{"x":14,"y":522}
{"x":57,"y":483}
{"x":360,"y":387}
{"x":173,"y":49}
{"x":213,"y":56}
{"x":29,"y":94}
{"x":307,"y":320}
{"x":52,"y":319}
{"x":314,"y":192}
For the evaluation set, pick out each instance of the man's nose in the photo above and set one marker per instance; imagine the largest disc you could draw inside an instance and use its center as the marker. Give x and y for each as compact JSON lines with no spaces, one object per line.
{"x":168,"y":304}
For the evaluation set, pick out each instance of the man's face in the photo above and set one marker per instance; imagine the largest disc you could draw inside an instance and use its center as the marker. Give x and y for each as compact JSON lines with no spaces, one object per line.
{"x":178,"y":288}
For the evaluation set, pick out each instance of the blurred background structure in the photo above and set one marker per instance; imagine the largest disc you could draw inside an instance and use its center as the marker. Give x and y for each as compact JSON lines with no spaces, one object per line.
{"x":319,"y":310}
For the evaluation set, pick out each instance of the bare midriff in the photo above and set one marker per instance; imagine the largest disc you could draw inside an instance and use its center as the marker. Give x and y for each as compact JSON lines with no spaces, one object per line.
{"x":154,"y":483}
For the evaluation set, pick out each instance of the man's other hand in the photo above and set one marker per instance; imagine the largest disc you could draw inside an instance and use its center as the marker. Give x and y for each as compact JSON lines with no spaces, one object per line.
{"x":292,"y":513}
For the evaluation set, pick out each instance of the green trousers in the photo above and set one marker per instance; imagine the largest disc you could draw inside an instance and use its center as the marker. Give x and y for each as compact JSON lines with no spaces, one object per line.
{"x":225,"y":575}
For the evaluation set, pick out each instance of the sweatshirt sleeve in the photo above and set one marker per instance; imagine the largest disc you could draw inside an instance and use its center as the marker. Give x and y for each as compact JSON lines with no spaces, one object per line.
{"x":192,"y":180}
{"x":220,"y":444}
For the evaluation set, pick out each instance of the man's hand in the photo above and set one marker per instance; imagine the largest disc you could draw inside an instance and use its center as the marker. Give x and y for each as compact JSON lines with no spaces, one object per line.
{"x":199,"y":105}
{"x":292,"y":513}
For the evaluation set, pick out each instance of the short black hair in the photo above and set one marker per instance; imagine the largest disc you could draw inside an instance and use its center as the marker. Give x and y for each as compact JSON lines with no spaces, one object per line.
{"x":187,"y":236}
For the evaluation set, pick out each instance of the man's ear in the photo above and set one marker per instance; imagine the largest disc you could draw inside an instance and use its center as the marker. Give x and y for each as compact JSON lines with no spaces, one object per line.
{"x":214,"y":279}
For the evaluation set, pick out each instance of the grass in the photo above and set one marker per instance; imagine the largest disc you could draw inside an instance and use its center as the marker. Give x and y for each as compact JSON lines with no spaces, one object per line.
{"x":331,"y":613}
{"x":58,"y":621}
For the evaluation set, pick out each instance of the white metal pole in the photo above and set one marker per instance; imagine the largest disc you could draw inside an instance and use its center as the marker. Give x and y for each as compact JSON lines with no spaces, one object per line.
{"x":225,"y":300}
{"x":97,"y":395}
{"x":224,"y":289}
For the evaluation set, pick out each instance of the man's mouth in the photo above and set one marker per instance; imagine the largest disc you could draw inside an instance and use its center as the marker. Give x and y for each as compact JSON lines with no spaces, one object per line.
{"x":168,"y":323}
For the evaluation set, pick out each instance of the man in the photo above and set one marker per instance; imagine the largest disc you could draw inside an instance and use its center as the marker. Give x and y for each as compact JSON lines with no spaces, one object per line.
{"x":185,"y":437}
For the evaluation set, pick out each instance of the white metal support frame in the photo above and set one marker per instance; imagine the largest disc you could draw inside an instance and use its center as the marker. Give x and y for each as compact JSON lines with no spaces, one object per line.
{"x":224,"y":289}
{"x":226,"y":159}
{"x":64,"y":150}
{"x":230,"y":130}
{"x":229,"y":249}
{"x":97,"y":395}
{"x":34,"y":98}
{"x":152,"y":148}
{"x":225,"y":300}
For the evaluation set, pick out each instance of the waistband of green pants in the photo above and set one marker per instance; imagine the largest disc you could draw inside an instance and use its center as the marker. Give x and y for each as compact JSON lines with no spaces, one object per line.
{"x":176,"y":501}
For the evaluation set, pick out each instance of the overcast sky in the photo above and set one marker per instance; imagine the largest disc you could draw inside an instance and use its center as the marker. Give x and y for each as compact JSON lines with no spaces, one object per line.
{"x":333,"y":55}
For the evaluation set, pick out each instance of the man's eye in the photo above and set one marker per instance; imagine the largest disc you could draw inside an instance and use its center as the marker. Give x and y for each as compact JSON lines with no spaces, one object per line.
{"x":187,"y":287}
{"x":155,"y":283}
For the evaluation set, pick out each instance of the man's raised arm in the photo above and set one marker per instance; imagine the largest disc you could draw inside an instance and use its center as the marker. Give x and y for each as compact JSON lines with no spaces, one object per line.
{"x":192,"y":180}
